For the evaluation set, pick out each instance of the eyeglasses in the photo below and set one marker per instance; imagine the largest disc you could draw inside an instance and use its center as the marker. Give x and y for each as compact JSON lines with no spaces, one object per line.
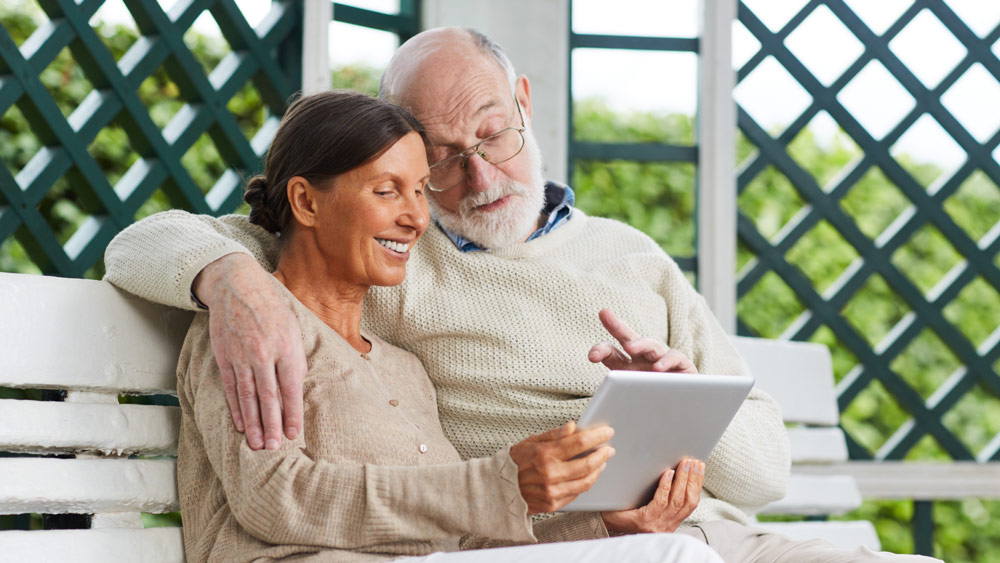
{"x":499,"y":147}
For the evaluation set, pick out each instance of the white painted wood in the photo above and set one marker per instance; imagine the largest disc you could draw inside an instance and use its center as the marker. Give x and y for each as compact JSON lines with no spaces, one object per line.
{"x":91,"y":397}
{"x":316,"y":18}
{"x":51,"y":427}
{"x":86,"y":335}
{"x":799,"y":375}
{"x":817,"y":494}
{"x":716,"y":161}
{"x":116,"y":520}
{"x":83,"y":486}
{"x":163,"y":545}
{"x":842,"y":534}
{"x":817,"y":445}
{"x":919,"y":480}
{"x":535,"y":36}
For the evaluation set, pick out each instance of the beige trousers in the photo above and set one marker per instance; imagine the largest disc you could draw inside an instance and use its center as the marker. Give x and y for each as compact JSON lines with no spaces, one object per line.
{"x":737,"y":543}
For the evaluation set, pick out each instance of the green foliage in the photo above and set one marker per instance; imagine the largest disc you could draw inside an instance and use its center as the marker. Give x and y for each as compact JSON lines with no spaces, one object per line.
{"x":657,"y":198}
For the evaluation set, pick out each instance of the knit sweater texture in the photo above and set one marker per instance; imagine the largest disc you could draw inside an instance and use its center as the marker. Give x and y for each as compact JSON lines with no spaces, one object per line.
{"x":504,"y":334}
{"x":372,"y":477}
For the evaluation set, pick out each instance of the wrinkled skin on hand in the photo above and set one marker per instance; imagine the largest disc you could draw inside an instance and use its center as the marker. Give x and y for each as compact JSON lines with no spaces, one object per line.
{"x":549,"y":473}
{"x":258,"y":346}
{"x":676,"y":497}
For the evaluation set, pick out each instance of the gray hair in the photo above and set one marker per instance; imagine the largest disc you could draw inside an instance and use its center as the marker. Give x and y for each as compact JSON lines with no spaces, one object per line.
{"x":490,"y":47}
{"x":485,"y":45}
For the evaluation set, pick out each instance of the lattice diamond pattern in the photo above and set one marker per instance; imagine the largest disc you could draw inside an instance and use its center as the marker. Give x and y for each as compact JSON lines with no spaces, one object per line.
{"x":68,"y":183}
{"x":948,"y":223}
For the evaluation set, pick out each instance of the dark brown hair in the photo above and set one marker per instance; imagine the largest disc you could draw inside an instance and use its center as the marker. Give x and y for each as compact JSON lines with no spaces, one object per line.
{"x":320,"y":137}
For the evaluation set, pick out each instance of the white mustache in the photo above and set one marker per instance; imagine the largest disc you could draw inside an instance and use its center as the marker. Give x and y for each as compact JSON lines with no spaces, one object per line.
{"x":497,"y":191}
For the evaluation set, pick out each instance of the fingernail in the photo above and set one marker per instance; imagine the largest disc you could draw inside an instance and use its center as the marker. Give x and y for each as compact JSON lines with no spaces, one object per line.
{"x":272,"y":444}
{"x":701,"y":467}
{"x":611,"y":453}
{"x":609,"y":433}
{"x":293,"y":432}
{"x":255,"y":441}
{"x":603,"y":467}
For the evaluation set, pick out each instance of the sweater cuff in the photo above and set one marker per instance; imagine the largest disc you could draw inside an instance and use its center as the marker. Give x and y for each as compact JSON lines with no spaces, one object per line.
{"x":197,"y":263}
{"x":571,"y":526}
{"x":517,"y":508}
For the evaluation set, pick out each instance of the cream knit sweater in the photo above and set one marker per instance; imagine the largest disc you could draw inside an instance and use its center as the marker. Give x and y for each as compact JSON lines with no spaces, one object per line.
{"x":504,"y":334}
{"x":372,"y":476}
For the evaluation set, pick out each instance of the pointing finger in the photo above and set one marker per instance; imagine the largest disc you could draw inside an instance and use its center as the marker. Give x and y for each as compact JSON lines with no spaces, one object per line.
{"x":616,"y":327}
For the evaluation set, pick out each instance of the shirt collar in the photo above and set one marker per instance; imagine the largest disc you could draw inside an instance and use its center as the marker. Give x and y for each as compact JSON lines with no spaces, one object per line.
{"x":559,"y":199}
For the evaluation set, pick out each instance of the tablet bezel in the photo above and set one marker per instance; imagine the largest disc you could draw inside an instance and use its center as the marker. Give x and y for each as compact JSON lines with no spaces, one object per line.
{"x":635,"y":404}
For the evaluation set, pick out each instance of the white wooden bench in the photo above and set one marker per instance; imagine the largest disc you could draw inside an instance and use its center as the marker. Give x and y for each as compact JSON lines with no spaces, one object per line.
{"x":799,"y":375}
{"x":96,"y":342}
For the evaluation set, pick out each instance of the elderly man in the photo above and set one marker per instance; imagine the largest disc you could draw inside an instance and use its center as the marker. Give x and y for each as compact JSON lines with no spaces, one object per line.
{"x":498,"y":303}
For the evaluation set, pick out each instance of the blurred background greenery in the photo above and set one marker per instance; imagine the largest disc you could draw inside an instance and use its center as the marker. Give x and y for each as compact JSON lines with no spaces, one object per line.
{"x":658,"y":198}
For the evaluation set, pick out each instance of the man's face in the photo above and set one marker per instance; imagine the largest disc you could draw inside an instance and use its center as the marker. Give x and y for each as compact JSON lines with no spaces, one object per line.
{"x":495,"y":205}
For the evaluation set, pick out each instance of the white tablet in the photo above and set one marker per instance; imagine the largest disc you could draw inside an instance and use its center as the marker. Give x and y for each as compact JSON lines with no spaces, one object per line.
{"x":659,"y":418}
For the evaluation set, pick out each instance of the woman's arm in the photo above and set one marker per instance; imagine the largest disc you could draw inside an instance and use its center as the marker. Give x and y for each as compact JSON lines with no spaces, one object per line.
{"x":289,"y":496}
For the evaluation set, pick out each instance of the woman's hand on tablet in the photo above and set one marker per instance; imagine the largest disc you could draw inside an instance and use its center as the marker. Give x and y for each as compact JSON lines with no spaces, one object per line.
{"x":675,"y":499}
{"x":640,"y":354}
{"x":550,"y":474}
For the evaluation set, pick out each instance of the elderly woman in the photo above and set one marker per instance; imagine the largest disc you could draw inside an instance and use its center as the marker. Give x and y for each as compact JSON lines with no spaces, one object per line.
{"x":373,"y":476}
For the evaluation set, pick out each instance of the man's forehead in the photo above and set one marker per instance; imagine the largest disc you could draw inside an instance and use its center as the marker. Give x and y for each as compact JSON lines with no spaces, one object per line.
{"x":444,"y":117}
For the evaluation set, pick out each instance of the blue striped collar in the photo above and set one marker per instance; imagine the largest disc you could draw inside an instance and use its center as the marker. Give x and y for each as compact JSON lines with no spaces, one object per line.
{"x":559,"y":199}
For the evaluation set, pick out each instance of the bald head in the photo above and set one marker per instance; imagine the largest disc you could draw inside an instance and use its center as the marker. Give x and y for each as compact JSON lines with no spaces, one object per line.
{"x":441,"y":56}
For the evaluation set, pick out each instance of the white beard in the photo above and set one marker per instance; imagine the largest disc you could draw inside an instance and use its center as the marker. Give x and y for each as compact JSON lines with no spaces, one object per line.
{"x":508,"y":225}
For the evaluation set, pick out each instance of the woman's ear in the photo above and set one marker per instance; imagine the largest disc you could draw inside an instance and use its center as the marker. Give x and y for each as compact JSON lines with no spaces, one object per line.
{"x":302,"y":200}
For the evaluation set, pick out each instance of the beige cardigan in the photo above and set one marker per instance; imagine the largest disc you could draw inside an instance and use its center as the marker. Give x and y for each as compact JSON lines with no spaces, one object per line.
{"x":372,"y":477}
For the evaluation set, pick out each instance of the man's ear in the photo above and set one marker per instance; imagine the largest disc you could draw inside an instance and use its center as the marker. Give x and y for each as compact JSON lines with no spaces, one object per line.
{"x":302,"y":200}
{"x":522,"y":89}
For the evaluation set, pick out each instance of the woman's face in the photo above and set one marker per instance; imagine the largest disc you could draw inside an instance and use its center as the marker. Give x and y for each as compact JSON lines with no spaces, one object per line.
{"x":370,"y":219}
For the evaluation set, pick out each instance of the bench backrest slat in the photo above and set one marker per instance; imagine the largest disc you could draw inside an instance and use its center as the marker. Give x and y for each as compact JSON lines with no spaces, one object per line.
{"x":84,"y":486}
{"x":163,"y":545}
{"x":799,"y":375}
{"x":45,"y":427}
{"x":82,"y":334}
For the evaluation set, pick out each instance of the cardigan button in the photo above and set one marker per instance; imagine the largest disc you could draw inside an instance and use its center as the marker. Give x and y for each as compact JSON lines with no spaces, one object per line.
{"x":423,"y":448}
{"x":394,"y":402}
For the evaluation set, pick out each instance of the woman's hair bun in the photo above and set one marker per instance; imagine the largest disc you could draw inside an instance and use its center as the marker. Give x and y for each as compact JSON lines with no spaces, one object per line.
{"x":260,"y":212}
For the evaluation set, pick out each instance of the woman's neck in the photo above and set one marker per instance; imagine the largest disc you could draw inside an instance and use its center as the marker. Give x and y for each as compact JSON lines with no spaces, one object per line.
{"x":335,"y":301}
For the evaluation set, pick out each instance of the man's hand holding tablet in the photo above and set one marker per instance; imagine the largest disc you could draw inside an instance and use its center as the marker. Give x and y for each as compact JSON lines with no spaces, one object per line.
{"x":677,"y":495}
{"x":679,"y":489}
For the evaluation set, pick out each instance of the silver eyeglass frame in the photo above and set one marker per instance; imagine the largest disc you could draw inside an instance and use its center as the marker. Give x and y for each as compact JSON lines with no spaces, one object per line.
{"x":475,"y":149}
